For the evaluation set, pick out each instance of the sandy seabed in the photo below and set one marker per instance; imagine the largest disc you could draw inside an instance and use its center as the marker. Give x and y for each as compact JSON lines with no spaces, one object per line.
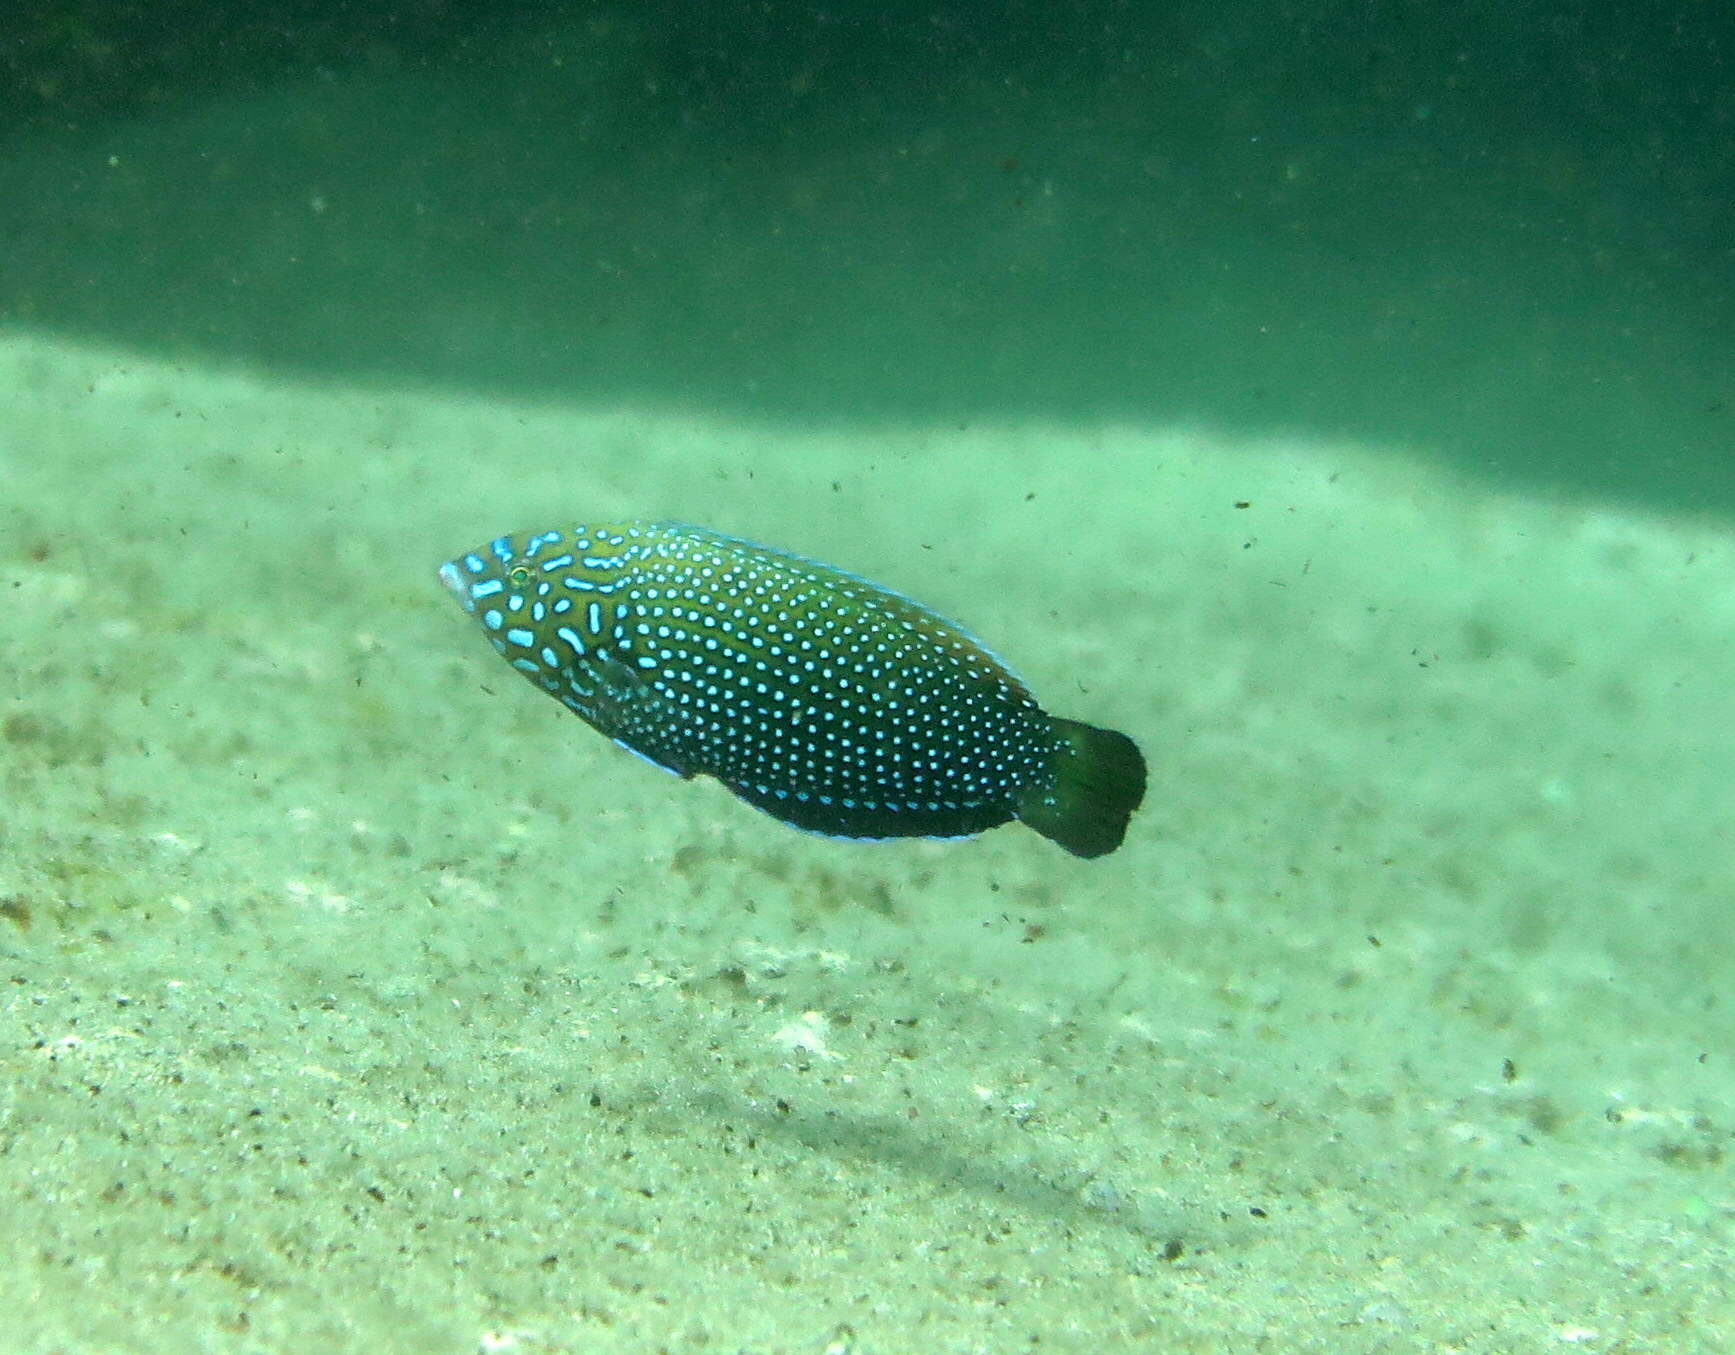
{"x":355,"y":997}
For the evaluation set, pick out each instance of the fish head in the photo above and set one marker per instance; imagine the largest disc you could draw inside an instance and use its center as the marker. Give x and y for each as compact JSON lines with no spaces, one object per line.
{"x":503,"y":568}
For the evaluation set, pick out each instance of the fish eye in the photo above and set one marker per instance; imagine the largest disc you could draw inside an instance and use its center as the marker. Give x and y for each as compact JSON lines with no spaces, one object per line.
{"x":518,"y":575}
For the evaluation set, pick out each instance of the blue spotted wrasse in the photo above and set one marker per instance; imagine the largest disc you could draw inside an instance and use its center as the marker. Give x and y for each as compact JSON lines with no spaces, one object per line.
{"x":826,"y":701}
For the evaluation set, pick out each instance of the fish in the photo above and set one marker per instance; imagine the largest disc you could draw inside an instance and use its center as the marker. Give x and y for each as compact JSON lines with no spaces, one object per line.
{"x":831,"y":703}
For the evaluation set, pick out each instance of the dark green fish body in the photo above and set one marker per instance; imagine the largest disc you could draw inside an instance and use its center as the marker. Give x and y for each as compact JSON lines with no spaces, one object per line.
{"x":827,"y":701}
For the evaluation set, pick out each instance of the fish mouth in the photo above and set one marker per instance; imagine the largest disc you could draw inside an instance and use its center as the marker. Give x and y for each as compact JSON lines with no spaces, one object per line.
{"x":453,"y":578}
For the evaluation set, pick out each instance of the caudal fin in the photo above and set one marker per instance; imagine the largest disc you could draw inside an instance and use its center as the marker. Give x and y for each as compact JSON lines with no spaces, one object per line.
{"x":1099,"y":779}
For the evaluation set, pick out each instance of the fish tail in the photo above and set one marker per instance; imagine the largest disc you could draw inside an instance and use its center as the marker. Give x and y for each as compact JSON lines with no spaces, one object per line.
{"x":1099,"y":779}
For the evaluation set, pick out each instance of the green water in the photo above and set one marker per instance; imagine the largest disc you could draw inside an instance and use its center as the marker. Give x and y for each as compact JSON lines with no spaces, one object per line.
{"x":1336,"y":400}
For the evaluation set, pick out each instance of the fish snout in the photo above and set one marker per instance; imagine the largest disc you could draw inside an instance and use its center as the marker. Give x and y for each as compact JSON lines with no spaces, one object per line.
{"x":452,"y":576}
